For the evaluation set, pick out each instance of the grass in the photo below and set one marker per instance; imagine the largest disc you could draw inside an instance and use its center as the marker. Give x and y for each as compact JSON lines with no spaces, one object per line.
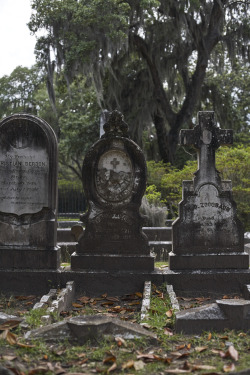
{"x":172,"y":352}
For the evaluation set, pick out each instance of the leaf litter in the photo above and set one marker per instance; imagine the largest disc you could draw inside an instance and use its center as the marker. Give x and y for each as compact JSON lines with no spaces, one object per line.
{"x":188,"y":354}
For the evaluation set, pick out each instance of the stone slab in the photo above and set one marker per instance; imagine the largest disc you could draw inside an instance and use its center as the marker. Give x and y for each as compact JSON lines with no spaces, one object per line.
{"x":224,"y":314}
{"x":30,"y":259}
{"x":95,"y":283}
{"x":209,"y":261}
{"x":112,"y":262}
{"x":90,"y":328}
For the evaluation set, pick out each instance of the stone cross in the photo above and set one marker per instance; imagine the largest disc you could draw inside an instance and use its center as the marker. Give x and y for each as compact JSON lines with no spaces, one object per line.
{"x":206,"y":138}
{"x":114,"y":162}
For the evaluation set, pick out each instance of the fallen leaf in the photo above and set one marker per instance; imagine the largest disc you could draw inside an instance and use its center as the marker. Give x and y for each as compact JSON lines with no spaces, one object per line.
{"x":139,"y":365}
{"x":233,"y":353}
{"x":163,"y":359}
{"x":168,"y":331}
{"x":24,"y":345}
{"x":24,"y":298}
{"x":9,"y":324}
{"x":229,"y":368}
{"x":120,"y":341}
{"x":113,"y":299}
{"x":203,"y":367}
{"x":38,"y":370}
{"x":242,"y":334}
{"x":9,"y":357}
{"x":179,"y":355}
{"x":107,"y":303}
{"x":209,"y":336}
{"x":177,"y":371}
{"x":189,"y":346}
{"x":180,"y":347}
{"x":169,"y":313}
{"x":104,"y":295}
{"x":128,"y":364}
{"x":134,"y":303}
{"x":83,"y":299}
{"x":226,"y":297}
{"x":223,"y":337}
{"x":112,"y":368}
{"x":81,"y":355}
{"x":77,"y":305}
{"x":111,"y":358}
{"x":11,"y":338}
{"x":200,"y":349}
{"x":147,"y":357}
{"x":138,"y":294}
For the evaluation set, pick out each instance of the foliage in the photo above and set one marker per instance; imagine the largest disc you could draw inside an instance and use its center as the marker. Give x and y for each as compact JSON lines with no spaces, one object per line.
{"x":18,"y":91}
{"x":147,"y":58}
{"x":232,"y":163}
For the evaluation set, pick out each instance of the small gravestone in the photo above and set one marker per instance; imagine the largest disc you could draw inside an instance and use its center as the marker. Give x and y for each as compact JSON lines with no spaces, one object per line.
{"x":207,"y":233}
{"x":114,"y":180}
{"x":28,"y":194}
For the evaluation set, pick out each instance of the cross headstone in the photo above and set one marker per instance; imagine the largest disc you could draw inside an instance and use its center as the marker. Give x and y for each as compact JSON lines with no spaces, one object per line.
{"x":207,"y":234}
{"x":114,"y":180}
{"x":206,"y":138}
{"x":28,"y":194}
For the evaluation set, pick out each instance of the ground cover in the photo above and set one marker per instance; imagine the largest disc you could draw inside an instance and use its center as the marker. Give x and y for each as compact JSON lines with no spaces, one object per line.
{"x":208,"y":353}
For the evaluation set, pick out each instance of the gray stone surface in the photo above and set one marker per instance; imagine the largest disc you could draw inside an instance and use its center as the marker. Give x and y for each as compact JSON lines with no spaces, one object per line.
{"x":28,"y":194}
{"x":145,"y":306}
{"x":173,"y":298}
{"x":5,"y":317}
{"x":84,"y":328}
{"x":114,"y":180}
{"x":224,"y":314}
{"x":207,"y":224}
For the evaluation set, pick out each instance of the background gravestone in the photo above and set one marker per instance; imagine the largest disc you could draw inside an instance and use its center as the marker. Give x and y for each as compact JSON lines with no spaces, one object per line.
{"x":114,"y":180}
{"x":207,"y":233}
{"x":28,"y":194}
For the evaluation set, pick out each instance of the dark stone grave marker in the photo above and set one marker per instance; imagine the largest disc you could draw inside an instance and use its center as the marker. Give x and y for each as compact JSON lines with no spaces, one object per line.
{"x":28,"y":194}
{"x":207,"y":233}
{"x":114,"y":180}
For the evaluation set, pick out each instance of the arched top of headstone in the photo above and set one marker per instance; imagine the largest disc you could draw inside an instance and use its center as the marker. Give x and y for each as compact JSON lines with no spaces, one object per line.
{"x":115,"y":126}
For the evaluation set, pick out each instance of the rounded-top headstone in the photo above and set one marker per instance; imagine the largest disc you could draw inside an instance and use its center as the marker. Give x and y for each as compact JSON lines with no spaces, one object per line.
{"x":114,"y":180}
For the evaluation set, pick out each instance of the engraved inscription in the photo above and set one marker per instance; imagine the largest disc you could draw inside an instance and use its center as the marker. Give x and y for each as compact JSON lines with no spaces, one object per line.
{"x":114,"y":176}
{"x":24,"y":180}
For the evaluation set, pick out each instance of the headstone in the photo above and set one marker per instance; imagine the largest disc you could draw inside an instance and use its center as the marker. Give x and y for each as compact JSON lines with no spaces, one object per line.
{"x":207,"y":234}
{"x":114,"y":180}
{"x":28,"y":194}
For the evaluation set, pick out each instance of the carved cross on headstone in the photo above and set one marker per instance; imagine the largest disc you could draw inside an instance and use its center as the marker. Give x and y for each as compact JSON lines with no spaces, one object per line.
{"x":114,"y":162}
{"x":206,"y":138}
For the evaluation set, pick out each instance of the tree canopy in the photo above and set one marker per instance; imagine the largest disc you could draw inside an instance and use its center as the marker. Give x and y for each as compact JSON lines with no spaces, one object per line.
{"x":147,"y":58}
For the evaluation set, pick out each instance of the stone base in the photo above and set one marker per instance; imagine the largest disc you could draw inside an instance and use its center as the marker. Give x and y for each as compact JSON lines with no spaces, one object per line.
{"x":112,"y":263}
{"x":208,"y":261}
{"x":17,"y":259}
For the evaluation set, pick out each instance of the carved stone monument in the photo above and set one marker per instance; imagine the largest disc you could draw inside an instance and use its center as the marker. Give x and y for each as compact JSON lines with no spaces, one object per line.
{"x":207,"y":234}
{"x":114,"y":180}
{"x":28,"y":194}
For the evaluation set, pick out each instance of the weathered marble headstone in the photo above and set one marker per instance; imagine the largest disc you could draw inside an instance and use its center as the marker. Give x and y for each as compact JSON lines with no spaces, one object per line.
{"x":114,"y":180}
{"x":28,"y":194}
{"x":207,"y":233}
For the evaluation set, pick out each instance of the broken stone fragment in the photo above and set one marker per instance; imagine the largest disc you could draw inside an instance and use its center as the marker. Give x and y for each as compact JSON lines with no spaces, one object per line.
{"x":5,"y":317}
{"x":90,"y":328}
{"x":224,"y":314}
